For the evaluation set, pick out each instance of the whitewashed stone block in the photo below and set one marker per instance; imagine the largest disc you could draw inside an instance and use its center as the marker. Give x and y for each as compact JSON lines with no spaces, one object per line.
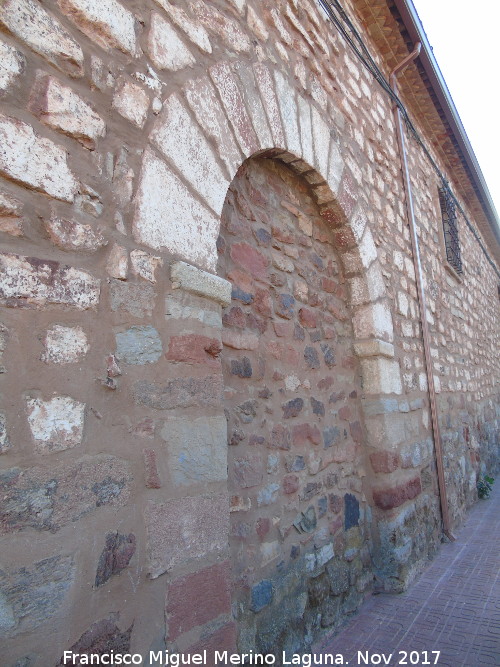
{"x":64,"y":345}
{"x":34,"y":160}
{"x":288,"y":109}
{"x":36,"y":282}
{"x":12,"y":64}
{"x":196,"y":32}
{"x":57,"y":424}
{"x":202,"y":99}
{"x":168,"y":216}
{"x":62,"y":109}
{"x":179,"y":139}
{"x":106,"y":22}
{"x":167,"y":51}
{"x":43,"y":33}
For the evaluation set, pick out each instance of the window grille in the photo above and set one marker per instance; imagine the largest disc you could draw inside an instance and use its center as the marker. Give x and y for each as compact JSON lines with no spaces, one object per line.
{"x":450,"y":228}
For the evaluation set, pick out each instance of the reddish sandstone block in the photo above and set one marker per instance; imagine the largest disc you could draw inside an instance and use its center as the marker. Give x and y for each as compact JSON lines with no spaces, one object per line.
{"x":235,"y":317}
{"x":248,"y":471}
{"x":197,"y":598}
{"x":304,"y":433}
{"x":262,"y":302}
{"x":385,"y":461}
{"x":333,"y":215}
{"x":345,"y":412}
{"x":308,"y":318}
{"x":344,"y":238}
{"x":347,"y":196}
{"x":194,"y":349}
{"x":223,"y":639}
{"x":283,"y":235}
{"x":280,"y":437}
{"x":282,"y":329}
{"x":262,"y":527}
{"x":290,"y":484}
{"x":389,"y":498}
{"x":241,"y":279}
{"x":250,"y":259}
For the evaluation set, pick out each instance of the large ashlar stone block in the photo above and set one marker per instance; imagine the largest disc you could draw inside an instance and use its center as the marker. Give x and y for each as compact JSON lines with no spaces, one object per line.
{"x":168,"y":216}
{"x":215,"y":21}
{"x":357,"y":223}
{"x":288,"y":109}
{"x":196,"y":281}
{"x":265,"y":84}
{"x":139,"y":345}
{"x":335,"y":168}
{"x":57,"y":424}
{"x":176,"y":308}
{"x":28,"y":281}
{"x":234,"y":105}
{"x":34,"y":26}
{"x":367,"y":288}
{"x":374,"y":321}
{"x":374,"y":348}
{"x":180,"y":393}
{"x":321,"y":137}
{"x":185,"y":529}
{"x":12,"y":64}
{"x":386,"y":431}
{"x":196,"y":449}
{"x":166,"y":49}
{"x":255,"y":107}
{"x":62,"y":493}
{"x":178,"y":138}
{"x":195,"y":599}
{"x":62,"y":109}
{"x":105,"y":22}
{"x":34,"y":160}
{"x":196,"y":32}
{"x":202,"y":98}
{"x":306,"y":133}
{"x":381,"y":376}
{"x":32,"y":594}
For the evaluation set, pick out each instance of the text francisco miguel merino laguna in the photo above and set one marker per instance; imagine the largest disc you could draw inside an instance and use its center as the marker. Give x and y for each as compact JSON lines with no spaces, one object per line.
{"x":164,"y":658}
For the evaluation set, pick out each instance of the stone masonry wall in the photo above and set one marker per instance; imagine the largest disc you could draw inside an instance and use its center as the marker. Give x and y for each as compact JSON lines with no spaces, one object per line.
{"x":122,"y":127}
{"x":296,"y":463}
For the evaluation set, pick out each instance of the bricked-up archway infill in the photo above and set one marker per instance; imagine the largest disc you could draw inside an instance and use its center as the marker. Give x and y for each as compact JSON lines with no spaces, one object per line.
{"x":300,"y":530}
{"x":236,"y":112}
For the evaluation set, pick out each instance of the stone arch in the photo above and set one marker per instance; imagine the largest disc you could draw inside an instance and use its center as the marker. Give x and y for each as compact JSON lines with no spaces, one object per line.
{"x":234,"y":112}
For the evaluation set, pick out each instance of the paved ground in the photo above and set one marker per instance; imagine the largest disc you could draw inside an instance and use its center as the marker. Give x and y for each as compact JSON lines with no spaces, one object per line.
{"x":454,"y":607}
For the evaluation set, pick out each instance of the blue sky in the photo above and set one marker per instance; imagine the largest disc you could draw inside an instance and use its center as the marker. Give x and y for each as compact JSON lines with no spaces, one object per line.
{"x":465,"y":39}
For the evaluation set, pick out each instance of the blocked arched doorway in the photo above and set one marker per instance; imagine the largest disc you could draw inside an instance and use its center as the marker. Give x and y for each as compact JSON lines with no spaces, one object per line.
{"x":299,"y":518}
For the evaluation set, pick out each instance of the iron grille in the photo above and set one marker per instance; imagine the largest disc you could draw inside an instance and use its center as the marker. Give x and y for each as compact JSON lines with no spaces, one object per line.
{"x":450,"y":228}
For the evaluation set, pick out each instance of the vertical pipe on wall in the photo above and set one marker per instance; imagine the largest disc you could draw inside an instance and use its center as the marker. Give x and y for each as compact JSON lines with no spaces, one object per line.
{"x":421,"y":295}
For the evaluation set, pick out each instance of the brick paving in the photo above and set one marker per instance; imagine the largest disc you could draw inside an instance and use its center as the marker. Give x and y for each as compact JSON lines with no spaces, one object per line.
{"x":454,"y":606}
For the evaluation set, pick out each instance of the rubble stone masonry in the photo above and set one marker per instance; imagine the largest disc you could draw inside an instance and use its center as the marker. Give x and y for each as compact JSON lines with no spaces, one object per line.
{"x":214,"y":423}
